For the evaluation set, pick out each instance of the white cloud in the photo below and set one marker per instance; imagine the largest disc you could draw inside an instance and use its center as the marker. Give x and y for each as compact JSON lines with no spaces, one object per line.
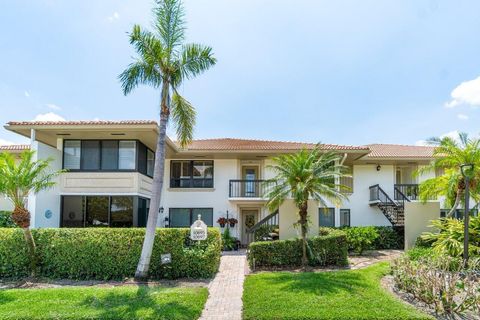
{"x":113,"y":17}
{"x":53,"y":106}
{"x":27,"y":94}
{"x":462,"y":116}
{"x":4,"y":142}
{"x":49,"y":116}
{"x":467,"y":92}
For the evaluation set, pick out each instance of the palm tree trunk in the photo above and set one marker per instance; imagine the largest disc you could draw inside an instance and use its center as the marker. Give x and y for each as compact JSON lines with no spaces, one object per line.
{"x":31,"y":251}
{"x":158,"y":174}
{"x":303,"y":225}
{"x":455,"y":205}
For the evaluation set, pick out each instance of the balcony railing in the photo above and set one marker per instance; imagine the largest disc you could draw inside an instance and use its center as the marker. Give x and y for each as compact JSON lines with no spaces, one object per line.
{"x":248,"y":188}
{"x":409,"y":191}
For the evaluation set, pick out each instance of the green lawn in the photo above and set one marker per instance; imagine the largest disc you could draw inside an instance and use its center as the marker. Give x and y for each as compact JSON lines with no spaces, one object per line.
{"x":327,"y":295}
{"x":128,"y":302}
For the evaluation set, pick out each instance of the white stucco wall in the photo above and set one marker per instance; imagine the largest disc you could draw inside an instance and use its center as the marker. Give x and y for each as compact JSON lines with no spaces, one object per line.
{"x":5,"y":204}
{"x":417,"y":220}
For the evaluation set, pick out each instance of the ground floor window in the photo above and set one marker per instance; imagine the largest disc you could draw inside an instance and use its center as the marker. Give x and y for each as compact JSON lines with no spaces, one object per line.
{"x":104,"y":211}
{"x":184,"y":217}
{"x":458,"y":214}
{"x":326,"y":217}
{"x":344,"y":217}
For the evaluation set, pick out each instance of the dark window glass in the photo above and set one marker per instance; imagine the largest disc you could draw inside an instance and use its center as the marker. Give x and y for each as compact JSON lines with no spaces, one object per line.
{"x":71,"y":154}
{"x":143,"y":207}
{"x":121,"y":212}
{"x":90,"y":155}
{"x":191,"y":174}
{"x":126,"y":155}
{"x":97,"y":212}
{"x":150,"y":162}
{"x":73,"y":212}
{"x":109,"y":155}
{"x":184,"y":217}
{"x":344,"y":217}
{"x":142,"y":158}
{"x":326,"y":217}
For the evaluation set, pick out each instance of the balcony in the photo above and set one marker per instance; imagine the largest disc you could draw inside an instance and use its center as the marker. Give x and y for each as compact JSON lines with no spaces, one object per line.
{"x":248,"y":189}
{"x":408,"y":191}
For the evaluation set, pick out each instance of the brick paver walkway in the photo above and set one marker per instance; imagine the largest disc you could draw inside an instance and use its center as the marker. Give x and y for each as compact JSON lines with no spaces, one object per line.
{"x":226,"y":289}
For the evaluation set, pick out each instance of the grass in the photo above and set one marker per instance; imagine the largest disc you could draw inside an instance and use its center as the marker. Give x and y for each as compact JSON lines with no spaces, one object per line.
{"x":354,"y":294}
{"x":128,"y":302}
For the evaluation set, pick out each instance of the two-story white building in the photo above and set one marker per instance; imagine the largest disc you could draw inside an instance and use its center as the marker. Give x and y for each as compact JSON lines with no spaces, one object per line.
{"x":110,"y":164}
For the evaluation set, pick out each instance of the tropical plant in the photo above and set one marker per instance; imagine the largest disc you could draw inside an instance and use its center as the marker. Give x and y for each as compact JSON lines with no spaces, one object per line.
{"x":17,"y":182}
{"x":228,"y":241}
{"x":308,"y":174}
{"x":361,"y":238}
{"x":6,"y":220}
{"x":449,"y":155}
{"x":164,"y":62}
{"x":449,"y":238}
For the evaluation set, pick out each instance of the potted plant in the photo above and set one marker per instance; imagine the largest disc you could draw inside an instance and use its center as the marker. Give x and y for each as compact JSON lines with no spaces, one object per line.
{"x":232,"y":222}
{"x":222,"y":222}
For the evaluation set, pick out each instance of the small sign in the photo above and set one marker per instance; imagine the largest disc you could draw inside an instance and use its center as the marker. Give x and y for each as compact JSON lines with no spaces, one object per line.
{"x":166,"y":258}
{"x":198,"y":230}
{"x":48,"y":213}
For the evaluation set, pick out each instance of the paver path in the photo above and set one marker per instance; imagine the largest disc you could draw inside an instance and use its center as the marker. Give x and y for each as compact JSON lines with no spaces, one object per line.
{"x":226,"y":290}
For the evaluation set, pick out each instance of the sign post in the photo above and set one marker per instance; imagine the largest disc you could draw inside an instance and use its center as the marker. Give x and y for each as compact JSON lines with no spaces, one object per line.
{"x":198,"y":230}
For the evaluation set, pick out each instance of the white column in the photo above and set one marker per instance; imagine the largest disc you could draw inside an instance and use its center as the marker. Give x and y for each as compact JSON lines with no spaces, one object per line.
{"x":31,"y":201}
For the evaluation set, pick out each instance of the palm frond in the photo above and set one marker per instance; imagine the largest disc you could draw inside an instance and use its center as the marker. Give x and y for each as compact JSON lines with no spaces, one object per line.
{"x":184,"y":118}
{"x":170,"y":23}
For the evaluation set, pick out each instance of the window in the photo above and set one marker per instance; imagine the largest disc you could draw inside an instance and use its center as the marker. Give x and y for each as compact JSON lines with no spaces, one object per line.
{"x":108,"y":155}
{"x":458,"y":214}
{"x":150,"y":162}
{"x":184,"y":217}
{"x":326,"y":217}
{"x":126,"y":155}
{"x":191,"y":174}
{"x":71,"y":154}
{"x":344,"y":217}
{"x":104,"y":211}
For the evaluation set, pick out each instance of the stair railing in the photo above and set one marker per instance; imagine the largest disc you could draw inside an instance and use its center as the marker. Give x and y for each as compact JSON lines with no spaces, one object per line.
{"x":269,"y":222}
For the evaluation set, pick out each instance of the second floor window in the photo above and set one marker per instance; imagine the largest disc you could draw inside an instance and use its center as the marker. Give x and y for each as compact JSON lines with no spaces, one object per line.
{"x":107,"y":155}
{"x":191,"y":174}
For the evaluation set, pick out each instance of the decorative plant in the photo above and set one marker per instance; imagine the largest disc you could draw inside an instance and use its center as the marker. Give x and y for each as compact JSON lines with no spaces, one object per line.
{"x":164,"y":62}
{"x":232,"y":222}
{"x":17,"y":181}
{"x":222,"y":221}
{"x":229,"y":242}
{"x":360,"y":238}
{"x":308,"y":174}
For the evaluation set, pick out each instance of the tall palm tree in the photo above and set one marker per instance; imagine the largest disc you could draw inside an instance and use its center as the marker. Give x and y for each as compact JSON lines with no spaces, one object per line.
{"x":164,"y":62}
{"x":449,"y":154}
{"x":308,"y":174}
{"x":17,"y":182}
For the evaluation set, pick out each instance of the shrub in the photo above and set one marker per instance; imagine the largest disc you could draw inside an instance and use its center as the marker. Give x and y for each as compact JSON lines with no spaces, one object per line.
{"x":360,"y":238}
{"x":417,"y":253}
{"x":330,"y":249}
{"x":440,"y":282}
{"x":449,"y":238}
{"x":420,"y":242}
{"x":264,"y":232}
{"x":388,"y":238}
{"x":107,"y":253}
{"x":6,"y":220}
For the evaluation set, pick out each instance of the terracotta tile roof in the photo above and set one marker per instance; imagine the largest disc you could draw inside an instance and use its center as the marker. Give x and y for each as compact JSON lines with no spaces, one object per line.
{"x":399,"y":151}
{"x":15,"y":147}
{"x":230,"y":144}
{"x":81,"y":123}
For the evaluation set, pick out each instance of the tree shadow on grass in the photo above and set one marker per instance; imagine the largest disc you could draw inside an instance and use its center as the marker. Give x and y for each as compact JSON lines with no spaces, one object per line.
{"x":324,"y":283}
{"x":5,"y":297}
{"x":141,"y":305}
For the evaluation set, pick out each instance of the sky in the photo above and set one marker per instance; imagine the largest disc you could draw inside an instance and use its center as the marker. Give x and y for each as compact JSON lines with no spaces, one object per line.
{"x":338,"y":71}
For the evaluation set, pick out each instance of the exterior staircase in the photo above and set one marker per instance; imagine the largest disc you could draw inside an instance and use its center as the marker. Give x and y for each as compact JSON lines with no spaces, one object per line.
{"x":392,"y":209}
{"x":264,"y":229}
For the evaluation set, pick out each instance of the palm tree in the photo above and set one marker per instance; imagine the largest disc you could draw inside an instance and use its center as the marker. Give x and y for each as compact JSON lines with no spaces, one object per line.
{"x":164,"y":62}
{"x":308,"y":174}
{"x":17,"y":182}
{"x":449,"y":155}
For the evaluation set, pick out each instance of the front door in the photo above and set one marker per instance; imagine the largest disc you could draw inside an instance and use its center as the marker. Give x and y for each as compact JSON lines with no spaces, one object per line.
{"x":249,"y":219}
{"x":250,"y":187}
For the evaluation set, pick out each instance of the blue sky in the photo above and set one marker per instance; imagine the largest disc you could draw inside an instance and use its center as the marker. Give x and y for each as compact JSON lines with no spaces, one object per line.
{"x":347,"y":72}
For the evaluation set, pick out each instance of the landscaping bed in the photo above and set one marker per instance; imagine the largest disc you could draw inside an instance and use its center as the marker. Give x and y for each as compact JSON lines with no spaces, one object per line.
{"x":126,"y":302}
{"x":353,"y":294}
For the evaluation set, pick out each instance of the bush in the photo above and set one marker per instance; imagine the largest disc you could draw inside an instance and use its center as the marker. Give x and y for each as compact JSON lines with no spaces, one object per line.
{"x":330,"y":249}
{"x":264,"y":232}
{"x":418,"y":253}
{"x":449,"y":238}
{"x":388,"y":238}
{"x":440,"y":282}
{"x":107,"y":253}
{"x":6,"y":220}
{"x":360,"y":239}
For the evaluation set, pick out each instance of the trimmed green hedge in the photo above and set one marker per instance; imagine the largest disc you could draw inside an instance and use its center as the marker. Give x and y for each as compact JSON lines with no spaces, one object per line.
{"x":108,"y":253}
{"x":329,"y":249}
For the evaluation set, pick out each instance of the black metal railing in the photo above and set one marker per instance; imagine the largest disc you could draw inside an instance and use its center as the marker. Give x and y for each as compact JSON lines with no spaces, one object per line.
{"x":377,"y":194}
{"x":393,"y":210}
{"x":249,"y":188}
{"x":406,"y":190}
{"x":264,"y":230}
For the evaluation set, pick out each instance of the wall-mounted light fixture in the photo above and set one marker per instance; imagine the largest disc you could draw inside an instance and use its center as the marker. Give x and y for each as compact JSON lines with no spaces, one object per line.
{"x":160,"y":210}
{"x":379,"y":167}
